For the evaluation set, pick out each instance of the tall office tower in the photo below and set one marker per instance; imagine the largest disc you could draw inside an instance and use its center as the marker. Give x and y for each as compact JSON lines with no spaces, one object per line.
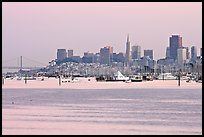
{"x":111,"y":53}
{"x":193,"y":53}
{"x":136,"y":52}
{"x":187,"y":52}
{"x":188,"y":55}
{"x":181,"y":56}
{"x":167,"y":52}
{"x":128,"y":55}
{"x":175,"y":43}
{"x":110,"y":49}
{"x":61,"y":54}
{"x":70,"y":53}
{"x":148,"y":53}
{"x":105,"y":56}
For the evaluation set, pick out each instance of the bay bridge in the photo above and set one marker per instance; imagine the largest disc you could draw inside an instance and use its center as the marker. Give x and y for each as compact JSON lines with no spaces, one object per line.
{"x":19,"y":64}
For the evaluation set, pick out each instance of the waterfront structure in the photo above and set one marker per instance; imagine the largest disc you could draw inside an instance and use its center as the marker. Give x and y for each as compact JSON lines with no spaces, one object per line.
{"x":128,"y":54}
{"x":166,"y":76}
{"x":175,"y":43}
{"x":148,"y":53}
{"x":70,"y":53}
{"x":181,"y":56}
{"x":61,"y":54}
{"x":193,"y":53}
{"x":105,"y":55}
{"x":136,"y":52}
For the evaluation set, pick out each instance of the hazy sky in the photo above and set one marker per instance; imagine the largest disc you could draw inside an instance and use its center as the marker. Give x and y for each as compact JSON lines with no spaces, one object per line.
{"x":37,"y":30}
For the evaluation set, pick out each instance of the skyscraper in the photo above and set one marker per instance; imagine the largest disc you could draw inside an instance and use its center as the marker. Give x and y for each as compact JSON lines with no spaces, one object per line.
{"x":181,"y":56}
{"x":111,"y":53}
{"x":175,"y":43}
{"x":128,"y":55}
{"x":187,"y":52}
{"x":70,"y":53}
{"x":148,"y":53}
{"x":110,"y":49}
{"x":105,"y":56}
{"x":167,"y":52}
{"x":61,"y":54}
{"x":193,"y":53}
{"x":136,"y":52}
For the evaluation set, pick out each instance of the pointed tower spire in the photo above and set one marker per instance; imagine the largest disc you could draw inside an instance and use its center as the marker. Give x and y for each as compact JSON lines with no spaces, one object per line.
{"x":128,"y":54}
{"x":128,"y":38}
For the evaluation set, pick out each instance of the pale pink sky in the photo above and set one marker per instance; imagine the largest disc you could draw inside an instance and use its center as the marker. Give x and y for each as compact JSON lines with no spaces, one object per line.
{"x":36,"y":30}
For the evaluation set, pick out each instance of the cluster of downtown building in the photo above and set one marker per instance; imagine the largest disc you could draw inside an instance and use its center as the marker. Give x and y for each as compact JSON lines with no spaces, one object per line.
{"x":106,"y":62}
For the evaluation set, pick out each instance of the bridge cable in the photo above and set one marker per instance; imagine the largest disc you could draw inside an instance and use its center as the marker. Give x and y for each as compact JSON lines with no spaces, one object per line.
{"x":35,"y":61}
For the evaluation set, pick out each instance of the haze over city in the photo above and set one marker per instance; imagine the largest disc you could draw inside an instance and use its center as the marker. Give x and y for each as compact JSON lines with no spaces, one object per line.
{"x":99,"y":68}
{"x":37,"y":30}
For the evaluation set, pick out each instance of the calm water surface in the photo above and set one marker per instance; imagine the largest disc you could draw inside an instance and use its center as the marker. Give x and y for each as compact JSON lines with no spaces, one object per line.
{"x":179,"y":111}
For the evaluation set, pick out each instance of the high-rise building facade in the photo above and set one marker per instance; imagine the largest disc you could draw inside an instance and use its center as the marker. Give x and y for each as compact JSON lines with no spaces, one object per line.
{"x":88,"y":57}
{"x":70,"y":53}
{"x":181,"y":56}
{"x":61,"y":54}
{"x":118,"y":57}
{"x":111,"y":53}
{"x":96,"y":58}
{"x":187,"y":52}
{"x":136,"y":52}
{"x":175,"y":43}
{"x":167,"y":52}
{"x":110,"y":49}
{"x":105,"y":56}
{"x":193,"y":53}
{"x":148,"y":53}
{"x":128,"y":54}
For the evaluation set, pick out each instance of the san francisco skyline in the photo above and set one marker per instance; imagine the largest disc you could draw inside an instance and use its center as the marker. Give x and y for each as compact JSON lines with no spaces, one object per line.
{"x":37,"y":30}
{"x":86,"y":86}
